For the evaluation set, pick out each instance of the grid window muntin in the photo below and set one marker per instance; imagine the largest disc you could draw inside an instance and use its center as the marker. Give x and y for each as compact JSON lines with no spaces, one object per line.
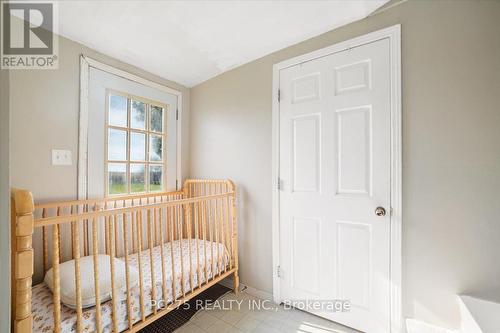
{"x":148,"y":132}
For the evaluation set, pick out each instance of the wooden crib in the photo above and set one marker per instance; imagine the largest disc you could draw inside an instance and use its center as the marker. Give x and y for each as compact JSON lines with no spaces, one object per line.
{"x":134,"y":229}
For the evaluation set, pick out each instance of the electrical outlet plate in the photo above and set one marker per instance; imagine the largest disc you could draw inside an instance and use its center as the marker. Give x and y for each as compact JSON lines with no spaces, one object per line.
{"x":61,"y":157}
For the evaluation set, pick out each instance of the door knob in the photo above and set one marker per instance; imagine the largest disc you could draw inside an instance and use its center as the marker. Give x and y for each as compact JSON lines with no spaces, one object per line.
{"x":380,"y":211}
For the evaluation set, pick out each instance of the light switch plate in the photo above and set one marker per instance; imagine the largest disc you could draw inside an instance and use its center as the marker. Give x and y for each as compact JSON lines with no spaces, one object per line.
{"x":61,"y":157}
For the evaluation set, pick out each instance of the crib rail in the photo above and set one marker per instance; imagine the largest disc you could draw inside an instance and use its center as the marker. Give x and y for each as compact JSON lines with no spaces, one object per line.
{"x":204,"y":212}
{"x":69,"y":209}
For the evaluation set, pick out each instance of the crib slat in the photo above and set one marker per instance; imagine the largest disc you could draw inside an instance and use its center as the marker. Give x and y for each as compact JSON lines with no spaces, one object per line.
{"x":76,"y":256}
{"x":56,"y":293}
{"x":211,"y":233}
{"x":72,"y":235}
{"x":162,"y":255}
{"x":111,"y":221}
{"x":178,"y":220}
{"x":188,"y":229}
{"x":167,"y":224}
{"x":45,"y":240}
{"x":171,"y":227}
{"x":198,"y":193}
{"x":151,"y":261}
{"x":134,"y":247}
{"x":216,"y":225}
{"x":59,"y":233}
{"x":224,"y":235}
{"x":127,"y":270}
{"x":139,"y":247}
{"x":117,"y":243}
{"x":174,"y":218}
{"x":213,"y":205}
{"x":196,"y":208}
{"x":204,"y":231}
{"x":85,"y":209}
{"x":95,"y":250}
{"x":223,"y":221}
{"x":155,"y":224}
{"x":106,"y":237}
{"x":220,"y":228}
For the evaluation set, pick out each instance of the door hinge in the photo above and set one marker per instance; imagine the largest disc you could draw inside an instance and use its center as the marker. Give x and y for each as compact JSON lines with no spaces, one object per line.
{"x":279,"y":95}
{"x":278,"y":271}
{"x":279,"y":184}
{"x":176,"y":184}
{"x":177,"y":114}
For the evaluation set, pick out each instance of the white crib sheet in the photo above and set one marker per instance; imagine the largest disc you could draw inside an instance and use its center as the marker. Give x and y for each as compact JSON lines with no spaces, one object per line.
{"x":42,"y":306}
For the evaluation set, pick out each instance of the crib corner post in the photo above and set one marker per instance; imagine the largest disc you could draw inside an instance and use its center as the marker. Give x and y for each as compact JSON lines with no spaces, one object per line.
{"x":22,"y":226}
{"x":236,"y":278}
{"x":236,"y":282}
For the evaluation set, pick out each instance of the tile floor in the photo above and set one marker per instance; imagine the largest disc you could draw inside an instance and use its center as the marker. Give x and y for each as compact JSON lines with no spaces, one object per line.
{"x":241,"y":319}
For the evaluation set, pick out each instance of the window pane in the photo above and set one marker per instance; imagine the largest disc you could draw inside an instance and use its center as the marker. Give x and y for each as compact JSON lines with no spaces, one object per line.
{"x":138,"y":115}
{"x":155,"y":148}
{"x":117,"y":178}
{"x":117,"y":145}
{"x":155,"y":177}
{"x":117,"y":110}
{"x":137,"y":178}
{"x":156,"y":118}
{"x":137,"y":146}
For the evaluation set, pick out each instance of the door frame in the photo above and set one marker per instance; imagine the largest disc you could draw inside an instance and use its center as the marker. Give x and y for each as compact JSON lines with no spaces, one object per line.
{"x":393,"y":33}
{"x":85,"y":64}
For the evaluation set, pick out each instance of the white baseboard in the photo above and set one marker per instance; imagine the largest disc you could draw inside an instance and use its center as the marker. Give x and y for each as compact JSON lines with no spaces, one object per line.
{"x":249,"y":290}
{"x":259,"y":293}
{"x":417,"y":326}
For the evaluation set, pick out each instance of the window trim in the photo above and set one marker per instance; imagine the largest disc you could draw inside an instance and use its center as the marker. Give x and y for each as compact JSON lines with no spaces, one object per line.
{"x":147,"y":132}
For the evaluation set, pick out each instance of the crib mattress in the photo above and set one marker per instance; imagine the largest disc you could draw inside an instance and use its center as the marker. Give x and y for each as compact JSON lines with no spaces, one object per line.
{"x":42,"y":306}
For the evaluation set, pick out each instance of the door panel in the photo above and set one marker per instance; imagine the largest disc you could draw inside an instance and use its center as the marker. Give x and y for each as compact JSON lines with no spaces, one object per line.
{"x":306,"y":155}
{"x":353,"y":77}
{"x":306,"y":88}
{"x":354,"y":262}
{"x":335,"y":171}
{"x":354,"y":150}
{"x":305,"y":260}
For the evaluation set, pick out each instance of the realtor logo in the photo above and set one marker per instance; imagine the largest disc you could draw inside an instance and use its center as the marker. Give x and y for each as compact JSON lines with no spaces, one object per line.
{"x":29,"y":39}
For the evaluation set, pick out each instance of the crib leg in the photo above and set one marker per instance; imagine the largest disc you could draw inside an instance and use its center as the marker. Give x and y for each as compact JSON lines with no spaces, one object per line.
{"x":236,"y":283}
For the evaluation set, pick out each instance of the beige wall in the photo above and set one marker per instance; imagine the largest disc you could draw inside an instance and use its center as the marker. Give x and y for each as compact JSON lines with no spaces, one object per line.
{"x":4,"y":202}
{"x":451,"y":147}
{"x":45,"y":109}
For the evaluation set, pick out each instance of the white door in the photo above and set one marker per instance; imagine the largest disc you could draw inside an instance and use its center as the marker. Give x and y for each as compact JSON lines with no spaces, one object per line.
{"x":335,"y":172}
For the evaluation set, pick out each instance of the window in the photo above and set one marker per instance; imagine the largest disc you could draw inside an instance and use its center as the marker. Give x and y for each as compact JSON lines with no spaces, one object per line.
{"x":135,"y":140}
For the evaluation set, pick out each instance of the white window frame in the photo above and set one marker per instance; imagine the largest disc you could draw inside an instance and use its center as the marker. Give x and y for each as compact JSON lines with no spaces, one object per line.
{"x":85,"y":64}
{"x":147,"y":132}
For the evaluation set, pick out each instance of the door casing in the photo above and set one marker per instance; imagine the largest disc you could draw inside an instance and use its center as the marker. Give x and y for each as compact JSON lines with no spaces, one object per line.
{"x":393,"y":33}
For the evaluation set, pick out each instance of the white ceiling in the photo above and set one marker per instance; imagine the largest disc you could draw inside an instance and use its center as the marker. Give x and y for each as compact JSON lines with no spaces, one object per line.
{"x":192,"y":41}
